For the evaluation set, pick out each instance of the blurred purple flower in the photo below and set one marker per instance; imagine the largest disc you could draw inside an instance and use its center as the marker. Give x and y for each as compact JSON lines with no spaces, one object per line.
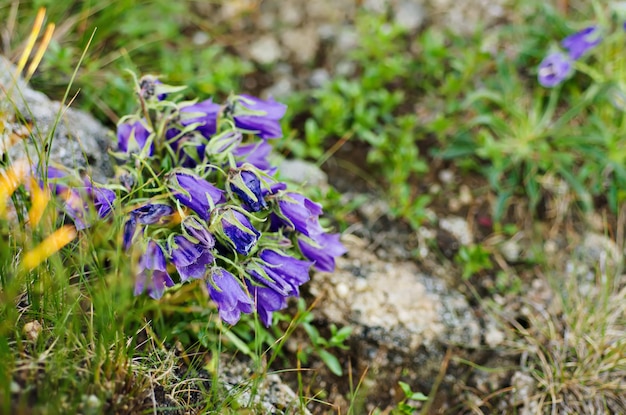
{"x":54,"y":185}
{"x":148,"y":214}
{"x":322,"y":249}
{"x":75,"y":208}
{"x":151,"y":213}
{"x":191,"y":260}
{"x":259,"y":116}
{"x":129,"y":232}
{"x":133,"y":137}
{"x":229,"y":295}
{"x":103,"y":199}
{"x":553,"y":69}
{"x":195,"y":193}
{"x":152,"y":277}
{"x":581,"y":42}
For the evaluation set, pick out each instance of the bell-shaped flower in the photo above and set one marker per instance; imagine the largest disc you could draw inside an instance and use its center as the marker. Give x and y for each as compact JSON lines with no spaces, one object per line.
{"x":195,"y":193}
{"x":322,"y":249}
{"x":256,"y":154}
{"x":223,"y":143}
{"x":191,"y":259}
{"x":553,"y":69}
{"x":246,"y":184}
{"x":259,"y":116}
{"x":152,"y":213}
{"x":198,"y":231}
{"x":229,"y":295}
{"x":103,"y":199}
{"x":266,"y":301}
{"x":201,"y":117}
{"x":300,"y":213}
{"x":235,"y":230}
{"x":148,"y":214}
{"x":133,"y":137}
{"x":581,"y":42}
{"x":203,"y":112}
{"x":279,"y":271}
{"x":152,"y":276}
{"x":75,"y":207}
{"x":130,"y":227}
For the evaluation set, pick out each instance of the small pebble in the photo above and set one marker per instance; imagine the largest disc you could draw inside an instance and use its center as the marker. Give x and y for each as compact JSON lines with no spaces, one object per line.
{"x":342,"y":290}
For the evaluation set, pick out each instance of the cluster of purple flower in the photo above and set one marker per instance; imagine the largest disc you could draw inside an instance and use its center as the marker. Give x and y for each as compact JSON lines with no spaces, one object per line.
{"x":557,"y":66}
{"x":80,"y":196}
{"x":204,"y":198}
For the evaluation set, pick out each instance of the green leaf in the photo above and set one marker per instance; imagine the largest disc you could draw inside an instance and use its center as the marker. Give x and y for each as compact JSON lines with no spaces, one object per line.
{"x":330,"y":361}
{"x":243,"y":348}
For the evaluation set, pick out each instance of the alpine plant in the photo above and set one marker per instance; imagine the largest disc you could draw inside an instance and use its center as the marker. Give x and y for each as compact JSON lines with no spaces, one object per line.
{"x":557,"y":66}
{"x":200,"y":200}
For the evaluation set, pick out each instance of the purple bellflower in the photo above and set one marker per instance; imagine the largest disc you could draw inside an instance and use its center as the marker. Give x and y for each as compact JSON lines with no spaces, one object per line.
{"x":581,"y":42}
{"x":153,"y":277}
{"x":553,"y":69}
{"x":256,"y":154}
{"x":204,"y":112}
{"x":259,"y":116}
{"x":282,"y":273}
{"x":152,"y":213}
{"x":148,"y":214}
{"x":237,"y":231}
{"x":103,"y":199}
{"x":322,"y":249}
{"x":223,"y":143}
{"x":266,"y":301}
{"x":133,"y":137}
{"x":75,"y":208}
{"x":130,"y":228}
{"x":195,"y":193}
{"x":229,"y":295}
{"x":301,"y":213}
{"x":247,"y":185}
{"x":198,"y":231}
{"x":191,"y":260}
{"x":77,"y":199}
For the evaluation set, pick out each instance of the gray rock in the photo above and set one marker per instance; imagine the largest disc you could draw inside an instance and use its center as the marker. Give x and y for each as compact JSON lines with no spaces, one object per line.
{"x":458,"y":227}
{"x":403,"y":319}
{"x":302,"y":172}
{"x":78,"y":139}
{"x":265,"y":50}
{"x":302,"y":43}
{"x":409,"y":15}
{"x":282,"y":88}
{"x":597,"y":248}
{"x":319,"y":77}
{"x":466,"y":16}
